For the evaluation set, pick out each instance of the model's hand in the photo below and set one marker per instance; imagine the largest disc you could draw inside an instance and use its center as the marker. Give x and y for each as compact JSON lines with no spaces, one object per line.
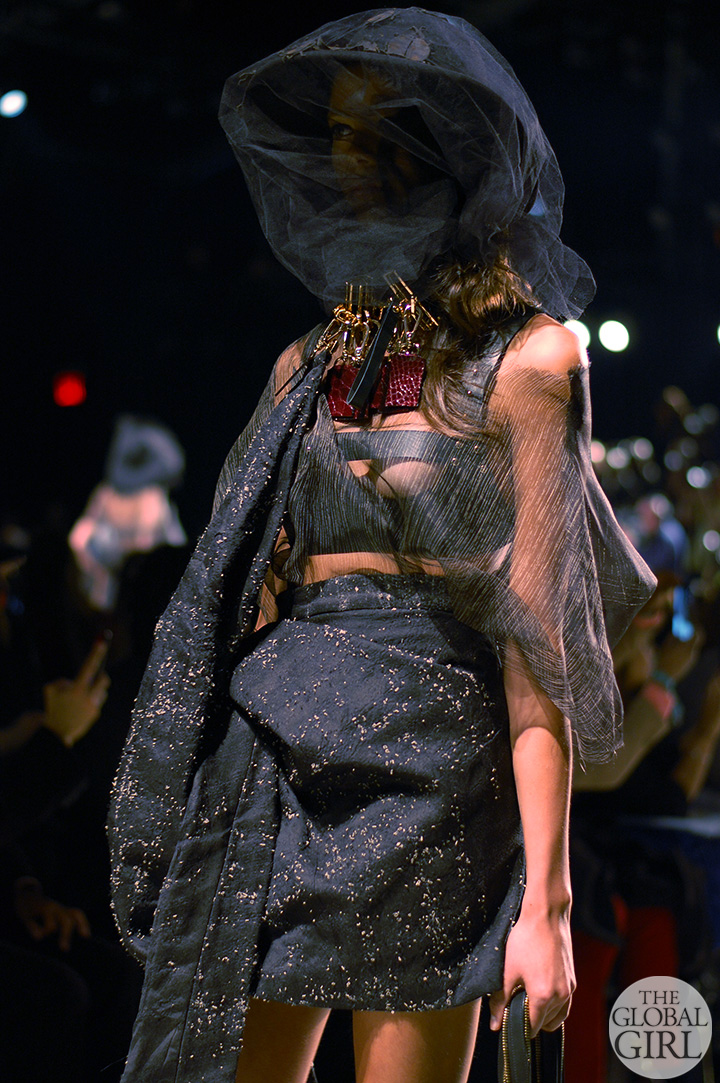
{"x":72,"y":707}
{"x":42,"y":917}
{"x":538,"y":957}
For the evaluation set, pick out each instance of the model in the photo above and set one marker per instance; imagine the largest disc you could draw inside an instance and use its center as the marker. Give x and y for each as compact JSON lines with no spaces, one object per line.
{"x":347,"y":779}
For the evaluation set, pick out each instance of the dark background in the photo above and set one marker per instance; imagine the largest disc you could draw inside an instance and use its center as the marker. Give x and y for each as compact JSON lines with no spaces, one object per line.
{"x":130,"y":249}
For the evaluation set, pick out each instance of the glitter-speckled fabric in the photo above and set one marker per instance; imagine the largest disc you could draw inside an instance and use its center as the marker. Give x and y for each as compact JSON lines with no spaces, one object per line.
{"x":179,"y":836}
{"x":398,"y":863}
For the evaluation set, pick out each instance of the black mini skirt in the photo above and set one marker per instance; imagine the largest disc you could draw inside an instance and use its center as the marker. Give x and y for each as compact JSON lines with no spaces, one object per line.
{"x":398,"y":864}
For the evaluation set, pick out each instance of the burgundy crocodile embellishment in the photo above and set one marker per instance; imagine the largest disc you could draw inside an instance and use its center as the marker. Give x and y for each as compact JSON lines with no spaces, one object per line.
{"x":398,"y":387}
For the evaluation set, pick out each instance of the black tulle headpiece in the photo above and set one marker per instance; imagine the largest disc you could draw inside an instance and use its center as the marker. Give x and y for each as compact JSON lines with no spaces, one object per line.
{"x":392,"y":137}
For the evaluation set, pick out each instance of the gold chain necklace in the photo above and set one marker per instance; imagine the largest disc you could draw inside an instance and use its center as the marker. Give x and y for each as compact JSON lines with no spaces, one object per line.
{"x":356,"y":323}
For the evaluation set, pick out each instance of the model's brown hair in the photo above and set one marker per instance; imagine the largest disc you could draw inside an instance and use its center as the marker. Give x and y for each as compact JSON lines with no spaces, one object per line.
{"x":471,"y":302}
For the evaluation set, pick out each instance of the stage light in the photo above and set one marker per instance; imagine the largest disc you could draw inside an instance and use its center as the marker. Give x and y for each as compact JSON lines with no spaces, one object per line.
{"x":69,"y":388}
{"x":581,"y":330}
{"x":614,"y":336}
{"x":718,"y":333}
{"x":13,"y":103}
{"x":597,"y":452}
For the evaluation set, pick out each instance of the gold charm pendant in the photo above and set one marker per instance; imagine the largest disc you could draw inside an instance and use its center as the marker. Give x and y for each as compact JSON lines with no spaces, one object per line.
{"x":356,"y":321}
{"x":413,"y":318}
{"x":353,"y":326}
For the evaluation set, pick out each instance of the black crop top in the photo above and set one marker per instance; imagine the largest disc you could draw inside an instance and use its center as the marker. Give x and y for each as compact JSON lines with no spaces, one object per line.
{"x":409,"y":497}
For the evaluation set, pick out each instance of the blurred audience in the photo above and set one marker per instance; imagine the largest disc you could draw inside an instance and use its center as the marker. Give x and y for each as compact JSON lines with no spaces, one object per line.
{"x":67,"y":997}
{"x":130,"y":511}
{"x":645,"y":842}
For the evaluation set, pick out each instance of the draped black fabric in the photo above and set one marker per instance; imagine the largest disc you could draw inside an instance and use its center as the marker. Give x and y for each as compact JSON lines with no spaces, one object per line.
{"x":183,"y":706}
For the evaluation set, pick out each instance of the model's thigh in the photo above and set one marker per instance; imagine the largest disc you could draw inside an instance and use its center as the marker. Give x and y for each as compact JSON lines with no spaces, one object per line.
{"x":415,"y":1047}
{"x":279,"y":1042}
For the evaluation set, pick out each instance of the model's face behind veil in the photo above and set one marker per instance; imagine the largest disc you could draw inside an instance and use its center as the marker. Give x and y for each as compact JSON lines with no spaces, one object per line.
{"x":348,"y":180}
{"x":390,"y":138}
{"x":375,"y":172}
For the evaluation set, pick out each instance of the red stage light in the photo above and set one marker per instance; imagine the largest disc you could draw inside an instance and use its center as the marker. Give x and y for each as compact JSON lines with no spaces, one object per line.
{"x":69,"y":388}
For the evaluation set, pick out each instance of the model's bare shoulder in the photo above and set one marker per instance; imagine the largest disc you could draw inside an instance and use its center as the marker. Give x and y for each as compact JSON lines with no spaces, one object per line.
{"x":545,"y":345}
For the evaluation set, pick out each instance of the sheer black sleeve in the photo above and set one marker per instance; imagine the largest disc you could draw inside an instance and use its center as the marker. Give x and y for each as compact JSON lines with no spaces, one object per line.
{"x":558,"y":580}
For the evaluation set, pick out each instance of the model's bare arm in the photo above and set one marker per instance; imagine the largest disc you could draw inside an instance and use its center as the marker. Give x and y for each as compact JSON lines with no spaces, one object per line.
{"x":539,"y":950}
{"x":534,"y":393}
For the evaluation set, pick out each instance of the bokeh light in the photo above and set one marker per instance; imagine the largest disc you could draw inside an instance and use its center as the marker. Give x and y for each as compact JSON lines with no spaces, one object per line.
{"x":614,"y":336}
{"x":13,"y":103}
{"x":698,"y":477}
{"x":581,"y":330}
{"x":69,"y":388}
{"x":618,"y":457}
{"x":597,"y":452}
{"x":641,"y":449}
